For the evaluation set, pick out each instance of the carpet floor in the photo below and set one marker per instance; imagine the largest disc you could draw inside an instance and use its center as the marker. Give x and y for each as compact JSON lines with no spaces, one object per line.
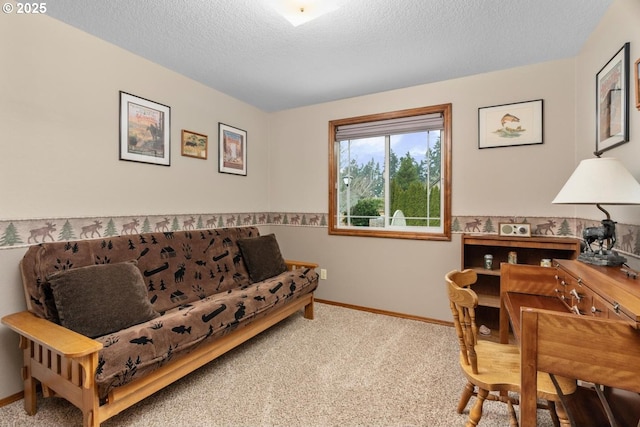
{"x":344,"y":368}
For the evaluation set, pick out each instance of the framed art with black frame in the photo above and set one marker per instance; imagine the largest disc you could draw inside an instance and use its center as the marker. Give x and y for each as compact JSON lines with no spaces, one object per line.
{"x":232,"y":150}
{"x":612,"y":102}
{"x":145,"y":130}
{"x":508,"y":125}
{"x":636,"y":70}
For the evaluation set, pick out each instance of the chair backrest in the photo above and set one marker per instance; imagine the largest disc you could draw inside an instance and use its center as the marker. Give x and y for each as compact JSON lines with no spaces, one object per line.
{"x":463,"y":301}
{"x":601,"y":351}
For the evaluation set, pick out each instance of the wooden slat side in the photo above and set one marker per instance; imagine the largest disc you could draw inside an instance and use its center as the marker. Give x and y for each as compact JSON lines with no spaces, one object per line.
{"x":291,"y":264}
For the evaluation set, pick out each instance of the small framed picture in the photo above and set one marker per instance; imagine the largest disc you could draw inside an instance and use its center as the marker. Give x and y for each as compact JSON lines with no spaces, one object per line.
{"x":194,"y":144}
{"x":612,"y":102}
{"x":507,"y":125}
{"x":232,"y":150}
{"x":145,"y":133}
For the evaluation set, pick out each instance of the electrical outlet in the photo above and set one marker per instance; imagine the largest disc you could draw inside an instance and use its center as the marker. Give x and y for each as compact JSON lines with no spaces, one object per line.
{"x":323,"y":274}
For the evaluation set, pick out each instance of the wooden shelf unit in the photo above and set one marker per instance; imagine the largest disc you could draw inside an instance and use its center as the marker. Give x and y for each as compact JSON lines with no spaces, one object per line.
{"x":529,"y":250}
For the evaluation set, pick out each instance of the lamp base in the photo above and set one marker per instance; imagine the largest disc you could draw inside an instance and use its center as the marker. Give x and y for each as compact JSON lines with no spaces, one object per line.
{"x":605,"y":257}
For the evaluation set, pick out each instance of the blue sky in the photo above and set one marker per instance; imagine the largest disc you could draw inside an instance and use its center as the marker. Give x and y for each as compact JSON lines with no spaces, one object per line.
{"x":364,"y":149}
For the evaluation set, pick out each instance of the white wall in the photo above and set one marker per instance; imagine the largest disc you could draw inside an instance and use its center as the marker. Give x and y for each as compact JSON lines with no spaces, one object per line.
{"x":403,"y":275}
{"x":406,"y":276}
{"x":620,"y":24}
{"x":59,"y":133}
{"x":299,"y":141}
{"x":59,"y":126}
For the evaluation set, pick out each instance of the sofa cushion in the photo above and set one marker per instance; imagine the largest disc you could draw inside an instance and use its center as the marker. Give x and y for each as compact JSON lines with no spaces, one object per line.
{"x":262,"y":257}
{"x":99,"y":299}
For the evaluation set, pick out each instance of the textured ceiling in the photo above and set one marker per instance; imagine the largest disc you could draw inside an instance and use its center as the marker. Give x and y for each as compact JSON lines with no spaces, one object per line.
{"x":246,"y":50}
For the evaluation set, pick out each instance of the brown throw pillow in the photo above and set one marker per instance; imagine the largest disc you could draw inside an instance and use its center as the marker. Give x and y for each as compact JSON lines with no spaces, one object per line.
{"x":101,"y":299}
{"x":262,"y":257}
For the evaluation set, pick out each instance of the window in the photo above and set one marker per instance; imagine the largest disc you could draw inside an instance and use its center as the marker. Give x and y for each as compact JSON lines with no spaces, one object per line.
{"x":390,"y":174}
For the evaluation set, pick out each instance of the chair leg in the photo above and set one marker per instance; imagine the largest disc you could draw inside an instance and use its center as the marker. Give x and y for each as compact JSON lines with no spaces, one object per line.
{"x":552,"y":411}
{"x":467,"y":392}
{"x":513,"y":418}
{"x":476,"y":412}
{"x":563,"y":418}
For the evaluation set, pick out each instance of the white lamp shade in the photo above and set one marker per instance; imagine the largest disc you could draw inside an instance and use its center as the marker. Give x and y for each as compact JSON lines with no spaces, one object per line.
{"x":603,"y":181}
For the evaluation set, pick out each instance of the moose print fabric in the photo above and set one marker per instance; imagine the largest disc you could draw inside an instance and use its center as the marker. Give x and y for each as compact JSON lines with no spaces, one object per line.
{"x":197,"y":281}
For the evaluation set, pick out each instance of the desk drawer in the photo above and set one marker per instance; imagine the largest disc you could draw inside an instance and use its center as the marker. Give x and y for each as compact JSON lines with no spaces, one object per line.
{"x":582,"y":299}
{"x":577,"y":297}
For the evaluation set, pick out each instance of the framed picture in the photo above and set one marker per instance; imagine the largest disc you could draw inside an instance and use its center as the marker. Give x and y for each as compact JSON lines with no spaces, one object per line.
{"x":145,"y":133}
{"x":508,"y":125}
{"x":232,"y":150}
{"x":612,"y":102}
{"x":636,"y":69}
{"x":194,"y":144}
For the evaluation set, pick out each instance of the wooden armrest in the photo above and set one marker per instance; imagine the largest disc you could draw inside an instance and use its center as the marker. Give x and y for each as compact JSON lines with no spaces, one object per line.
{"x":58,"y":338}
{"x":291,"y":264}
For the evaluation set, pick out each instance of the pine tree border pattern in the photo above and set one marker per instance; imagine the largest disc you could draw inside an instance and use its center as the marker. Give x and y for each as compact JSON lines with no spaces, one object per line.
{"x":22,"y":233}
{"x":628,"y":235}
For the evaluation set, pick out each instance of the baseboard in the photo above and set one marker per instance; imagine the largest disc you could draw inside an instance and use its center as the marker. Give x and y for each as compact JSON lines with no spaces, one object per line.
{"x":385,"y":312}
{"x":11,"y":399}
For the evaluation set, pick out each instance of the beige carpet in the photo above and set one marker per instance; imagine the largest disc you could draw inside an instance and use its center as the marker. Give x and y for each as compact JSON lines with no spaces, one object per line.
{"x":345,"y":368}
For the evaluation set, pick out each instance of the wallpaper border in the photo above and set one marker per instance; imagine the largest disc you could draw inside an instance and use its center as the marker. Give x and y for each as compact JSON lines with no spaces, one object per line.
{"x":18,"y":233}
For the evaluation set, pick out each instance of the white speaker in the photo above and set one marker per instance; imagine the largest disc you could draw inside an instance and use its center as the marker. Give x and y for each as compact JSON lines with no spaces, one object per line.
{"x":513,"y":229}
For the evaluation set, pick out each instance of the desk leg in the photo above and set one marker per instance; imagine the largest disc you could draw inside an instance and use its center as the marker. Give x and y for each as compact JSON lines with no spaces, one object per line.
{"x":504,"y":322}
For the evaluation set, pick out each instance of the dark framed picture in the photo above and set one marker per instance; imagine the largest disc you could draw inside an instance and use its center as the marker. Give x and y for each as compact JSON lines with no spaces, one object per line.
{"x":612,"y":102}
{"x":232,"y":150}
{"x":508,"y":125}
{"x":194,"y":144}
{"x":145,"y":132}
{"x":636,"y":69}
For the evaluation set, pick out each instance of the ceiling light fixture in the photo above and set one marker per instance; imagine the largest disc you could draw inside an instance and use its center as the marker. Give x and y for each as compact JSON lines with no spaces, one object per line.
{"x":298,"y":12}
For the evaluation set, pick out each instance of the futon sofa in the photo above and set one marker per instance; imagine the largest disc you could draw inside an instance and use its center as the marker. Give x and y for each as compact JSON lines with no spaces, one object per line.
{"x":110,"y":321}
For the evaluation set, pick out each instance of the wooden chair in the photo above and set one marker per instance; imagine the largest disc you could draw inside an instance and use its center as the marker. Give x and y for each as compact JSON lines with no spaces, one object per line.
{"x":600,"y":351}
{"x":490,"y":366}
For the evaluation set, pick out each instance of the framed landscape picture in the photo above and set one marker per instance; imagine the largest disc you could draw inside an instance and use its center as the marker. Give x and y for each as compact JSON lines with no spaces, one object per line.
{"x":612,"y":102}
{"x":194,"y":144}
{"x":145,"y":134}
{"x":232,"y":147}
{"x":507,"y":125}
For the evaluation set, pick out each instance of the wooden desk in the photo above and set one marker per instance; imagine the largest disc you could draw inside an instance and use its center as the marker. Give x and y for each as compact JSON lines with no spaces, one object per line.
{"x":525,"y":285}
{"x":515,"y":301}
{"x":600,"y":351}
{"x":602,"y":292}
{"x":574,"y":320}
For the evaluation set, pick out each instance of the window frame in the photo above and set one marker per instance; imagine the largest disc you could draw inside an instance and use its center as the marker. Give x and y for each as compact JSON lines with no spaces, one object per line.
{"x":445,"y":146}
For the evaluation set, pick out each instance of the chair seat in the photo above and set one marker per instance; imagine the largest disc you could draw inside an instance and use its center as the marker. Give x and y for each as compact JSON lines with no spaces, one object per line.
{"x":499,"y":370}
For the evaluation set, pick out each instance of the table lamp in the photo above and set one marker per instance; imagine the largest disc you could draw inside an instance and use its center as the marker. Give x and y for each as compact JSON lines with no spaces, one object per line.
{"x":600,"y":181}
